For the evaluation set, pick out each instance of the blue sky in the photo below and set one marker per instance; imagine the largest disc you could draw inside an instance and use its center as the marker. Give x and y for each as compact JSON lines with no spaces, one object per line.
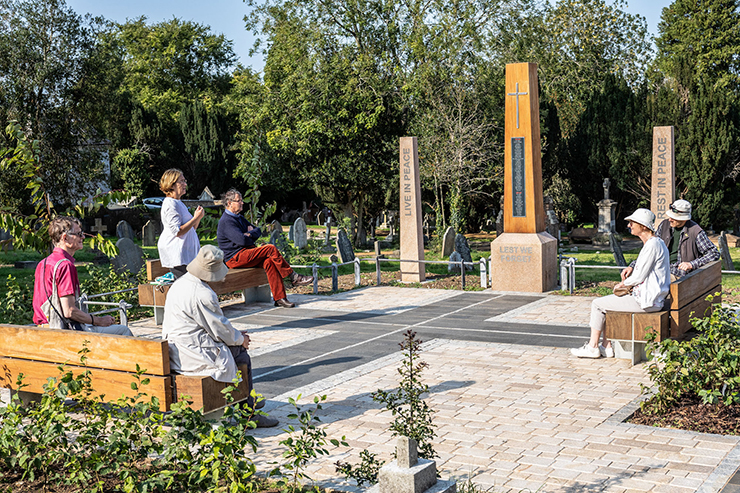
{"x":226,"y":16}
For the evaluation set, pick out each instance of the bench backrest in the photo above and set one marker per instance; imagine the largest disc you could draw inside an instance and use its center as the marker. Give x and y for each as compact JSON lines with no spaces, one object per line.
{"x":37,"y":353}
{"x":154,"y":269}
{"x":695,"y":284}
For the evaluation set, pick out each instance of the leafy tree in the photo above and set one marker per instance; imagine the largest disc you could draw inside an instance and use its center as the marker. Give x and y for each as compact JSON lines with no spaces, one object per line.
{"x":700,"y":40}
{"x":45,"y":49}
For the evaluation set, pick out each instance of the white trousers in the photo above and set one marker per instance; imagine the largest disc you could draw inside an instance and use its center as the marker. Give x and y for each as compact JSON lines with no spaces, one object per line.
{"x":614,"y":303}
{"x":120,"y":330}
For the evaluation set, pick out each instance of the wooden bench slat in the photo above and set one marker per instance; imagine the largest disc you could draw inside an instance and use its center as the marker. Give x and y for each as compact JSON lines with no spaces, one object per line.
{"x":681,"y":318}
{"x":113,"y":384}
{"x":154,"y":269}
{"x":238,"y":279}
{"x":111,"y":352}
{"x":619,"y":325}
{"x":205,"y":392}
{"x":695,"y":284}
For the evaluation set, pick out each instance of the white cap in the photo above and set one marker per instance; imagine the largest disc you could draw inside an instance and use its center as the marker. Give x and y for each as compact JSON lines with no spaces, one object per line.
{"x":644,"y":217}
{"x":680,"y":210}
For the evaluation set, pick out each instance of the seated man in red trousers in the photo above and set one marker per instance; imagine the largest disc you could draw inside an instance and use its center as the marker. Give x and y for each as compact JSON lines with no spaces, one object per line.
{"x":236,"y":237}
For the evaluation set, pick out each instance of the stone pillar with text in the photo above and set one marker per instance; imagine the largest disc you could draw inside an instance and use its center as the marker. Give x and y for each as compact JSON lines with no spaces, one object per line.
{"x":524,"y":257}
{"x":411,"y":234}
{"x":663,"y":189}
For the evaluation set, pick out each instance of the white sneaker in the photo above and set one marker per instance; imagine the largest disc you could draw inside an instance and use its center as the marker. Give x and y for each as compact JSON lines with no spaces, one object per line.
{"x":586,"y":351}
{"x":606,"y":352}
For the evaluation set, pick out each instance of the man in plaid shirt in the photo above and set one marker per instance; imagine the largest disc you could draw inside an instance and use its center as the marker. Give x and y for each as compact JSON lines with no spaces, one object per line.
{"x":687,"y":243}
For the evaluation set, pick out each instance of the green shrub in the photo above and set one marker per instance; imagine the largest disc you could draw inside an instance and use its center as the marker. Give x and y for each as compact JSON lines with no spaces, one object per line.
{"x":17,"y":305}
{"x":705,"y":366}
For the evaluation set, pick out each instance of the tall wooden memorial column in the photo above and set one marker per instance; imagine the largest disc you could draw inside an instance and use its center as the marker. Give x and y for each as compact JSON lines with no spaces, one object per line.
{"x":411,"y":234}
{"x":524,"y":257}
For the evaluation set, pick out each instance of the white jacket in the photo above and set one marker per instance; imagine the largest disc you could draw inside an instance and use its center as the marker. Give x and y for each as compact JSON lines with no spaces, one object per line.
{"x":651,"y":276}
{"x":197,"y":331}
{"x":173,"y":250}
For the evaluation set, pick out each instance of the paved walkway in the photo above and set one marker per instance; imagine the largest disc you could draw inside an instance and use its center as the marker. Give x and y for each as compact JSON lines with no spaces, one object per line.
{"x":514,"y":410}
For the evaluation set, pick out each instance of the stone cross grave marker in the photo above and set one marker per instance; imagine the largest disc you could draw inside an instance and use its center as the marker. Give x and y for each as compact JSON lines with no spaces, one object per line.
{"x":148,"y":234}
{"x":448,"y":242}
{"x":607,"y":208}
{"x":524,"y":256}
{"x":411,"y":234}
{"x":664,"y":172}
{"x":130,"y":256}
{"x":99,"y":226}
{"x":344,"y":247}
{"x":124,"y":230}
{"x":300,"y":232}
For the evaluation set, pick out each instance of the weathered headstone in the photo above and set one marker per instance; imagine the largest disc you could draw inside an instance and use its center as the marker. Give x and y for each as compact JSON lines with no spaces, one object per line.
{"x":391,"y":222}
{"x":410,"y":474}
{"x":327,"y":231}
{"x":462,"y":247}
{"x":617,"y":250}
{"x":412,"y":235}
{"x":149,"y":234}
{"x":344,"y":247}
{"x":454,"y":265}
{"x":291,"y":232}
{"x":524,"y":256}
{"x":664,"y":172}
{"x":124,"y":230}
{"x":551,"y":218}
{"x":448,"y":242}
{"x":500,"y":218}
{"x":377,"y":249}
{"x":99,"y":226}
{"x":130,"y":257}
{"x":300,"y":234}
{"x":724,"y":252}
{"x":276,"y":226}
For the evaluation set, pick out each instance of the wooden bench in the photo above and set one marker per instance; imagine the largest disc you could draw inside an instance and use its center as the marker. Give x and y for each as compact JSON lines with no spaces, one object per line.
{"x":111,"y":360}
{"x":687,"y":300}
{"x":252,"y":282}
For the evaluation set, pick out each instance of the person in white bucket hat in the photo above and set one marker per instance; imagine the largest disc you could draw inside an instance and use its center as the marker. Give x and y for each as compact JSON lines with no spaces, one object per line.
{"x":688,"y":244}
{"x":201,"y":339}
{"x":650,"y":280}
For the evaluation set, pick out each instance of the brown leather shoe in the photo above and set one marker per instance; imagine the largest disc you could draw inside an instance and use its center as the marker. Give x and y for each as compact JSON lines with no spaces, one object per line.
{"x":299,"y":280}
{"x":284,"y":303}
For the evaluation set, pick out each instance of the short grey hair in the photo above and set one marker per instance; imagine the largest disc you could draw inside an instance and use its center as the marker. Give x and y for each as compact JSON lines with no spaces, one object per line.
{"x":230,"y":196}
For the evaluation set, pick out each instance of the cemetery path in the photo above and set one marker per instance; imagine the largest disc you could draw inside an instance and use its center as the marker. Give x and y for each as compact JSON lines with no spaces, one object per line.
{"x":514,"y":410}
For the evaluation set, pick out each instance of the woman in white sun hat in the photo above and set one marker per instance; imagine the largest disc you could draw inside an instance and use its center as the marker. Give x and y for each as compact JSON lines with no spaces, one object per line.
{"x":650,"y":281}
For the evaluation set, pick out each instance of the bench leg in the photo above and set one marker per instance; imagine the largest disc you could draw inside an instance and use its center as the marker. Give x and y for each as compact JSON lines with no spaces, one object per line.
{"x":258,"y":293}
{"x":158,"y":315}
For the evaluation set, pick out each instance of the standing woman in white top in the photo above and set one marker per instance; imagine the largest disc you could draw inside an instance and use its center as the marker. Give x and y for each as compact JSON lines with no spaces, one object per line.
{"x":178,"y":245}
{"x":650,"y":281}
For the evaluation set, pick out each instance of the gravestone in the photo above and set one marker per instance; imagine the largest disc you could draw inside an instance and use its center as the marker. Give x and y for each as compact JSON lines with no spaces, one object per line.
{"x":412,"y":234}
{"x":344,"y":247}
{"x":99,"y":227}
{"x":6,"y":241}
{"x":276,"y":226}
{"x":500,"y":218}
{"x":617,"y":250}
{"x":724,"y":252}
{"x":410,"y":474}
{"x":124,"y":230}
{"x":149,"y":234}
{"x":663,"y":190}
{"x":524,"y":256}
{"x":462,"y":247}
{"x":551,"y":218}
{"x":327,"y":231}
{"x":391,"y":222}
{"x":377,"y":249}
{"x":300,"y":234}
{"x":130,"y":257}
{"x":448,"y":242}
{"x":273,"y":237}
{"x":454,"y":265}
{"x":291,"y":233}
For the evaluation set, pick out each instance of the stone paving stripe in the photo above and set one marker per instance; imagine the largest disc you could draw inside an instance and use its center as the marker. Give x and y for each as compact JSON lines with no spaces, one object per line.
{"x":344,"y":348}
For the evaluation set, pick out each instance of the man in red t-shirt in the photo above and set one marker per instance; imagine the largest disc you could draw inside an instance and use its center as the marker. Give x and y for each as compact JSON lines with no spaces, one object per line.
{"x":66,"y":236}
